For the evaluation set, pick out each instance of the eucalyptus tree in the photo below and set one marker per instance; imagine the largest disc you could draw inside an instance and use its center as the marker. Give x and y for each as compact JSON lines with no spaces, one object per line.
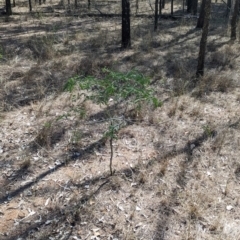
{"x":203,"y":42}
{"x":126,"y":35}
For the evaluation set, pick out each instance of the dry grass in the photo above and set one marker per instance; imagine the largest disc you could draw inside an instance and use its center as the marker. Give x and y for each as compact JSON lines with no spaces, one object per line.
{"x":176,"y":167}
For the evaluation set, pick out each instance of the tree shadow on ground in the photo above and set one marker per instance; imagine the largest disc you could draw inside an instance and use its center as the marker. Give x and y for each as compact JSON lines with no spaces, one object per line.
{"x":71,"y":211}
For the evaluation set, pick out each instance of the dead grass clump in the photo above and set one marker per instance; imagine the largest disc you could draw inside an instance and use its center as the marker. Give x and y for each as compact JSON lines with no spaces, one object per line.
{"x":223,"y":58}
{"x":48,"y":135}
{"x":93,"y":66}
{"x":42,"y":47}
{"x":213,"y":83}
{"x":26,"y":163}
{"x":194,"y":212}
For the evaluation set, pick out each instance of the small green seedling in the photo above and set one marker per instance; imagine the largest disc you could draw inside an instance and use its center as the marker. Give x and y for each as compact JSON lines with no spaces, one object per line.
{"x":115,"y":87}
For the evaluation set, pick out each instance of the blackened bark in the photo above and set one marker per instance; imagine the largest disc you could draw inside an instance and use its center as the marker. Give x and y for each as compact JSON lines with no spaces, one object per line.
{"x":126,"y":37}
{"x":30,"y":5}
{"x":136,"y":6}
{"x":189,"y":6}
{"x":160,"y":7}
{"x":203,"y":42}
{"x":163,"y":3}
{"x":229,"y":6}
{"x":192,"y":6}
{"x":234,"y":20}
{"x":201,"y":15}
{"x":156,"y":16}
{"x":8,"y":8}
{"x":172,"y":7}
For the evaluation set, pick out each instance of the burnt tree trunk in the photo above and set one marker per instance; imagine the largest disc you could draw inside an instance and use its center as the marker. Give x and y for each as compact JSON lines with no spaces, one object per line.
{"x":189,"y":6}
{"x":201,"y":15}
{"x":126,"y":37}
{"x":160,"y":7}
{"x":172,"y":7}
{"x":192,"y":6}
{"x":156,"y":16}
{"x":203,"y":42}
{"x":30,"y":5}
{"x":229,"y":6}
{"x":163,"y":4}
{"x":136,"y":6}
{"x":234,"y":20}
{"x":8,"y":8}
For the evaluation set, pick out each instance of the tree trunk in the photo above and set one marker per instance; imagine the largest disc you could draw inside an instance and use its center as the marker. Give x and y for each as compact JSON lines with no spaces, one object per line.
{"x":156,"y":16}
{"x":189,"y":6}
{"x":160,"y":7}
{"x":136,"y":6}
{"x":229,"y":6}
{"x":30,"y":5}
{"x":194,"y":7}
{"x":172,"y":7}
{"x":8,"y":8}
{"x":234,"y":19}
{"x":203,"y":42}
{"x":14,"y":3}
{"x":163,"y":4}
{"x":89,"y":4}
{"x":126,"y":37}
{"x":76,"y":4}
{"x":201,"y":15}
{"x":40,"y":2}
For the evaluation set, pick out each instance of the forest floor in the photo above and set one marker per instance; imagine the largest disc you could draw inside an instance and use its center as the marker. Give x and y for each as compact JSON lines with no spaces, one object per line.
{"x":177,"y":168}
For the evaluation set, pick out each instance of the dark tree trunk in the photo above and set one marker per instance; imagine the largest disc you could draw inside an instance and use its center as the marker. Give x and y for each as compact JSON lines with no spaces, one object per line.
{"x":172,"y":7}
{"x":160,"y":7}
{"x":40,"y":2}
{"x":76,"y":3}
{"x":183,"y":5}
{"x":201,"y":15}
{"x":203,"y":42}
{"x":163,"y":3}
{"x":30,"y":5}
{"x":234,"y":20}
{"x":126,"y":37}
{"x":44,"y":1}
{"x":14,"y":3}
{"x":229,"y":6}
{"x":194,"y":7}
{"x":89,"y":4}
{"x":189,"y":6}
{"x":156,"y":16}
{"x":136,"y":6}
{"x":8,"y":8}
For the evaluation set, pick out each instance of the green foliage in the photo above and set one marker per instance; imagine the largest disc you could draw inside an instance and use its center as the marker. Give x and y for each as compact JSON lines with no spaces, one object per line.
{"x":209,"y":131}
{"x":114,"y":87}
{"x":132,"y":87}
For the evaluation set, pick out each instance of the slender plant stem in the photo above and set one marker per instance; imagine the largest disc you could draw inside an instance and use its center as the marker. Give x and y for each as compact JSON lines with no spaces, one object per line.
{"x":111,"y":157}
